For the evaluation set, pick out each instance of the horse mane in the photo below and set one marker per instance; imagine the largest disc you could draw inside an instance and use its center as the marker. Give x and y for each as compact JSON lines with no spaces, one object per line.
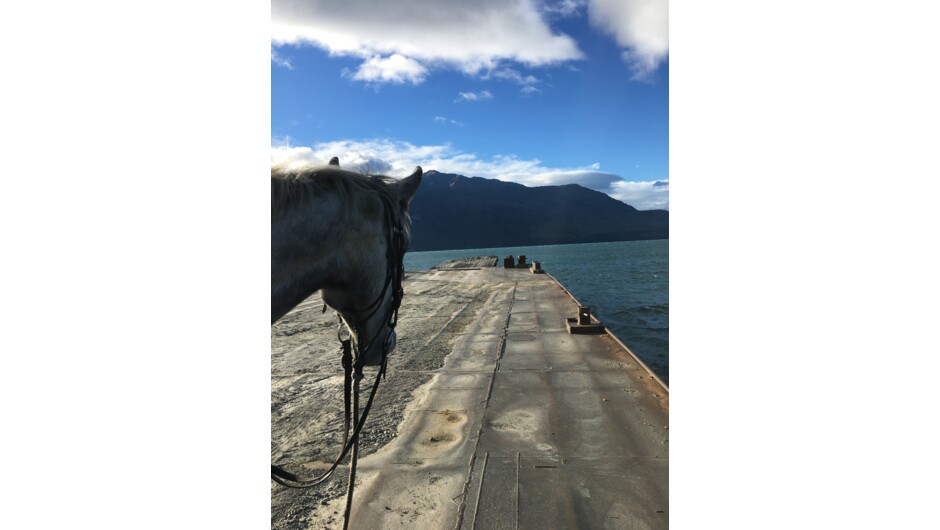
{"x":297,"y":187}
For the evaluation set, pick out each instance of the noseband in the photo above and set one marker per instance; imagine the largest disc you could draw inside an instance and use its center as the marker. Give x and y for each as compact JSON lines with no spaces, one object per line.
{"x":352,"y":368}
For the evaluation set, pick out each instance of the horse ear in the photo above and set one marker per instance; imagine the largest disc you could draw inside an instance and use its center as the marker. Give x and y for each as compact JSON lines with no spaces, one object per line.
{"x":334,"y":161}
{"x":408,"y":186}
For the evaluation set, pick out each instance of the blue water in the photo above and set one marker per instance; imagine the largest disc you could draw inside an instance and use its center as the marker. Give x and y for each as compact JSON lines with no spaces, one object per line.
{"x":626,"y":283}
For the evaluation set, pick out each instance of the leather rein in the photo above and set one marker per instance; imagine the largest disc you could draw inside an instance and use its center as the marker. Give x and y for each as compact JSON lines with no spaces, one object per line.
{"x":352,"y":370}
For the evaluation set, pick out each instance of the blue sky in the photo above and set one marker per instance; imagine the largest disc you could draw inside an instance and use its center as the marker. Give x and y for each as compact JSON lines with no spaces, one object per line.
{"x":531,"y":91}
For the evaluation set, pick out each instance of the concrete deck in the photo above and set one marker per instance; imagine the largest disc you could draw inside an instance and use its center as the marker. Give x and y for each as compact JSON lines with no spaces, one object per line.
{"x":521,"y":425}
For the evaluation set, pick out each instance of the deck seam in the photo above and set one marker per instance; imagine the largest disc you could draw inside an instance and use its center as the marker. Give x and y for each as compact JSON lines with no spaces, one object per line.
{"x":489,"y":394}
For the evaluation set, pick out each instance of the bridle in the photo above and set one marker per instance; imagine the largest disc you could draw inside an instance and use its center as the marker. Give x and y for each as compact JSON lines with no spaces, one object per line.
{"x":352,"y":370}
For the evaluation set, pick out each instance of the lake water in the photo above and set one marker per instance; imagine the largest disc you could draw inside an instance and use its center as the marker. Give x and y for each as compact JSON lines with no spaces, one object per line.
{"x":626,"y":283}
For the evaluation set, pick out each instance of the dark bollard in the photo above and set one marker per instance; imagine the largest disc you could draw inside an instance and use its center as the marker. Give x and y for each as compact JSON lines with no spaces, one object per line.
{"x":509,"y":262}
{"x":522,"y":263}
{"x":583,"y":324}
{"x":584,"y":315}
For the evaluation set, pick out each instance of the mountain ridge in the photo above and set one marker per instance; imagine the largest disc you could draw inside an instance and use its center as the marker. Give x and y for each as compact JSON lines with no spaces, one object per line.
{"x":452,"y":211}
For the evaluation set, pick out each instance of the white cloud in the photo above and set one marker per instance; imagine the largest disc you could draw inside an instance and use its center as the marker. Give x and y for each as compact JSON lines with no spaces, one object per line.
{"x":398,"y":159}
{"x":640,"y":26}
{"x":529,"y":89}
{"x":280,"y":61}
{"x":643,"y":195}
{"x":447,"y":121}
{"x":393,"y":69}
{"x":562,"y":8}
{"x":528,"y":82}
{"x":512,"y":75}
{"x":468,"y":36}
{"x":474,"y":96}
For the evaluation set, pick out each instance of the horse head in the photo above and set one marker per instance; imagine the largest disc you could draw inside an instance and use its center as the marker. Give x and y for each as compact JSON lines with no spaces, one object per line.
{"x":369,"y":303}
{"x":344,"y":234}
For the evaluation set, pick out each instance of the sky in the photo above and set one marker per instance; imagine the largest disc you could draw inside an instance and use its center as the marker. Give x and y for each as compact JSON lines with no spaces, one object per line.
{"x":539,"y":92}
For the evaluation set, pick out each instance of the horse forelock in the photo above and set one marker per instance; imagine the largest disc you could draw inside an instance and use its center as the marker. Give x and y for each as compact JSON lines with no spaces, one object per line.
{"x":298,"y":187}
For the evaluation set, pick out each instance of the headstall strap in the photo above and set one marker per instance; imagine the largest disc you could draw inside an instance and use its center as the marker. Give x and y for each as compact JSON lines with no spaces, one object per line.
{"x":347,"y":389}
